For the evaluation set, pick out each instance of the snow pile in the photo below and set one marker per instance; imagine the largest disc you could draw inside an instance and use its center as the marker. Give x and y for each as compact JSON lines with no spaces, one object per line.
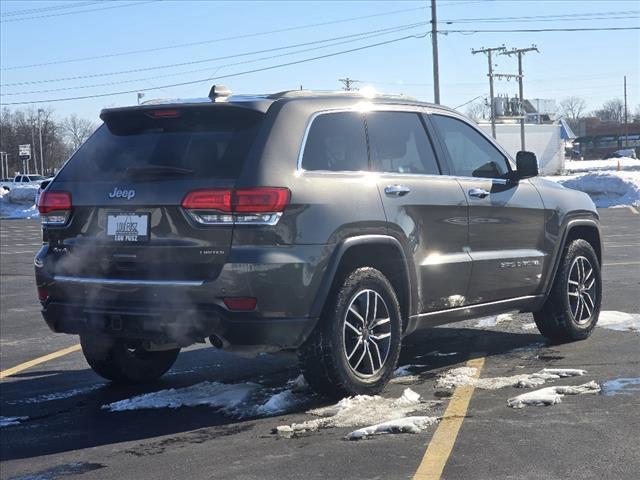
{"x":359,"y":411}
{"x":606,"y":188}
{"x":625,"y":322}
{"x":625,"y":163}
{"x":241,"y":400}
{"x":8,"y":421}
{"x":400,"y":425}
{"x":551,"y":395}
{"x":468,"y":376}
{"x":19,"y":202}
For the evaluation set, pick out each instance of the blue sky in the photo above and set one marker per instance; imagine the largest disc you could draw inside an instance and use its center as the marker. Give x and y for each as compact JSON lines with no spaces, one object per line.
{"x":586,"y":64}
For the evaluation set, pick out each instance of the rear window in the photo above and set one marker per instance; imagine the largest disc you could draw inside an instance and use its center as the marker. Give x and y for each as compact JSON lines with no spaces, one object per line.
{"x":198,"y":143}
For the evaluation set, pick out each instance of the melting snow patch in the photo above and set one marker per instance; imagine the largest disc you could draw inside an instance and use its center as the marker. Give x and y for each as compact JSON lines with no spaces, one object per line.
{"x":626,"y":322}
{"x":493,"y":321}
{"x":359,"y":411}
{"x":551,"y":395}
{"x":436,"y":353}
{"x":48,"y":397}
{"x":236,"y":399}
{"x":8,"y":421}
{"x":621,"y":386}
{"x":399,"y":425}
{"x":405,"y":370}
{"x":467,"y":376}
{"x":212,"y":394}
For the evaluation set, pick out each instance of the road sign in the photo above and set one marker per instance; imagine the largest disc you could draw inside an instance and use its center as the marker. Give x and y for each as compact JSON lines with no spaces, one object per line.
{"x":24,"y":151}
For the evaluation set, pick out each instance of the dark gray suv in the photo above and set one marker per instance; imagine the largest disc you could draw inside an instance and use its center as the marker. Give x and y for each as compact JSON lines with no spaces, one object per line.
{"x":329,"y":223}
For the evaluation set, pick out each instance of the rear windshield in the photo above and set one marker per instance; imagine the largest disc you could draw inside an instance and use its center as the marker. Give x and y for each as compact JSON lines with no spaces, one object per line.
{"x":197,"y":143}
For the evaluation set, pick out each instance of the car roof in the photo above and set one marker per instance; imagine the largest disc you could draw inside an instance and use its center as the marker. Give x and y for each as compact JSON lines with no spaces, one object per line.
{"x":262,"y":102}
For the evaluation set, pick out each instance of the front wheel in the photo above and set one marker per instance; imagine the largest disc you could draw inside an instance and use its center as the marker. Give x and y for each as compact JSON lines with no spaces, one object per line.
{"x":571,"y":311}
{"x":355,"y":346}
{"x":125,"y":361}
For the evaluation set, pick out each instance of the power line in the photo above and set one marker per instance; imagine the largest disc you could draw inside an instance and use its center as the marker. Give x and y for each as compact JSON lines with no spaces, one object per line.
{"x":33,"y":11}
{"x":566,"y":16}
{"x":212,"y":59}
{"x":215,"y":40}
{"x":534,"y":30}
{"x":11,"y":20}
{"x":270,"y":57}
{"x":246,"y":72}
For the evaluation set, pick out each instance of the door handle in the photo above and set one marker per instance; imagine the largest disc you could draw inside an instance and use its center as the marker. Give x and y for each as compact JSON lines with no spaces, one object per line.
{"x":478,"y":193}
{"x":396,"y":190}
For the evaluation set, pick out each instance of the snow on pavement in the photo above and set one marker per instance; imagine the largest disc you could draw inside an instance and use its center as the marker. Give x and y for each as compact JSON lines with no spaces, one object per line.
{"x":466,"y":376}
{"x":400,"y":425}
{"x":551,"y":395}
{"x":8,"y":421}
{"x":493,"y":321}
{"x":48,"y":397}
{"x":361,"y":411}
{"x":625,"y":322}
{"x":625,"y":163}
{"x":240,"y":400}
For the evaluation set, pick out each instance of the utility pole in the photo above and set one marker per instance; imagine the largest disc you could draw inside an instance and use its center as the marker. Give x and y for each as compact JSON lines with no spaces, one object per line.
{"x":520,"y":52}
{"x":434,"y":49}
{"x":626,"y":124}
{"x":41,"y":151}
{"x":2,"y":154}
{"x":33,"y":150}
{"x":489,"y":51}
{"x":348,"y":83}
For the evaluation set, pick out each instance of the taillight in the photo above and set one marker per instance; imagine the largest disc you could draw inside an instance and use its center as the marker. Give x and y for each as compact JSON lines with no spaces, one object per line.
{"x":237,"y":304}
{"x":54,"y":207}
{"x":248,"y":206}
{"x":43,"y":294}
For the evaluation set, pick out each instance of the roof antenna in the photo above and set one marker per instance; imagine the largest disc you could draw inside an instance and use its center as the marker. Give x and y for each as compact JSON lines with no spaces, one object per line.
{"x":219,"y":93}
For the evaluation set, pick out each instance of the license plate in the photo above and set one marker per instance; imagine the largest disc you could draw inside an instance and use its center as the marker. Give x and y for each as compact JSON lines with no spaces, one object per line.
{"x":128,"y":227}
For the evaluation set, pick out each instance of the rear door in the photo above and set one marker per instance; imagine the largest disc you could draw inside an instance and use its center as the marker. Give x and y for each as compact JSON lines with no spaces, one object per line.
{"x":426,"y":211}
{"x":506,"y":218}
{"x":127,"y":184}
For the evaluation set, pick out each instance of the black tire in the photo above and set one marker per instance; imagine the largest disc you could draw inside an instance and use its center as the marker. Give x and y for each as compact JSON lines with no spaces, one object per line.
{"x":124,"y":361}
{"x":324,"y":357}
{"x":560,"y":319}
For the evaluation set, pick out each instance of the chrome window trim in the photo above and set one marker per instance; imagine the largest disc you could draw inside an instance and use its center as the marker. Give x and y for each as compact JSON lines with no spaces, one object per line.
{"x":128,"y":282}
{"x":362,"y":110}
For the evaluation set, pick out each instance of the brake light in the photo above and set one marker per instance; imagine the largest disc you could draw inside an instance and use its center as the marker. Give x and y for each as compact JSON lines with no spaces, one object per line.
{"x":166,"y":113}
{"x":43,"y":294}
{"x":54,"y":207}
{"x":254,"y":206}
{"x":53,"y":201}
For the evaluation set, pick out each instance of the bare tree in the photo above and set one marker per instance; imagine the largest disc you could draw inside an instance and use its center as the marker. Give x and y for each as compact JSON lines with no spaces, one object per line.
{"x":572,"y":108}
{"x":77,"y":130}
{"x":477,"y":111}
{"x":611,"y":111}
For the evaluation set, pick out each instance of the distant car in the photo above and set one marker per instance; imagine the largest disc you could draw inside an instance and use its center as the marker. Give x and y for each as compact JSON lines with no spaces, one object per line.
{"x":328,"y":223}
{"x":21,"y":179}
{"x":627,"y":152}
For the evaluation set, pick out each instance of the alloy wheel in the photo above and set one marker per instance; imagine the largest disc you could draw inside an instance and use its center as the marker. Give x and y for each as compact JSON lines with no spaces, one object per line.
{"x":581,"y":290}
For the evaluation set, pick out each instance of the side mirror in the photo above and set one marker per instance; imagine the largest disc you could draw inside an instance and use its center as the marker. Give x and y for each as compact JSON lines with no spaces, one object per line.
{"x":527,"y":164}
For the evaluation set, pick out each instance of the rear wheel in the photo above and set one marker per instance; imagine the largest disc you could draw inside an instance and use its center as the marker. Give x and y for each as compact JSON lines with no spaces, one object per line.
{"x":355,"y":346}
{"x":573,"y":306}
{"x":125,"y":361}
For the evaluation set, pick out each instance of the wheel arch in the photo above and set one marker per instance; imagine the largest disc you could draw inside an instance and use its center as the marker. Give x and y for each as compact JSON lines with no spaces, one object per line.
{"x":382,"y":252}
{"x":580,"y":228}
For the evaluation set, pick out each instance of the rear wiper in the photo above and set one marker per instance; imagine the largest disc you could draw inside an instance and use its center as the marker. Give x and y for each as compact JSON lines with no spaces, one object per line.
{"x":157,"y":170}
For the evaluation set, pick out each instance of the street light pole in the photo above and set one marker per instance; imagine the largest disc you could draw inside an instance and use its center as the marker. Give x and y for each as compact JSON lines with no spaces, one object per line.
{"x":41,"y":151}
{"x":2,"y":154}
{"x":434,"y":50}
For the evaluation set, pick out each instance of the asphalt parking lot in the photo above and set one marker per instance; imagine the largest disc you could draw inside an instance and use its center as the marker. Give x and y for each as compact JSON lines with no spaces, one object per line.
{"x":67,"y":433}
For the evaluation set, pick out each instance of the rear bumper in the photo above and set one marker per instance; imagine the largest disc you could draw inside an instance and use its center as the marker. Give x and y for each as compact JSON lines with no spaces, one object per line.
{"x":183,"y":326}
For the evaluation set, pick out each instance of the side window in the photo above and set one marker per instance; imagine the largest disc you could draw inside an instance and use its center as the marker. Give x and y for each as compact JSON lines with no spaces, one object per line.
{"x":471,"y":154}
{"x":400,"y":144}
{"x":336,"y":141}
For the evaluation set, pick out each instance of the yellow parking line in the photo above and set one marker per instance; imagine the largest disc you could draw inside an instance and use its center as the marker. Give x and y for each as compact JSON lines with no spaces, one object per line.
{"x":634,"y":210}
{"x":36,"y":361}
{"x":444,"y":438}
